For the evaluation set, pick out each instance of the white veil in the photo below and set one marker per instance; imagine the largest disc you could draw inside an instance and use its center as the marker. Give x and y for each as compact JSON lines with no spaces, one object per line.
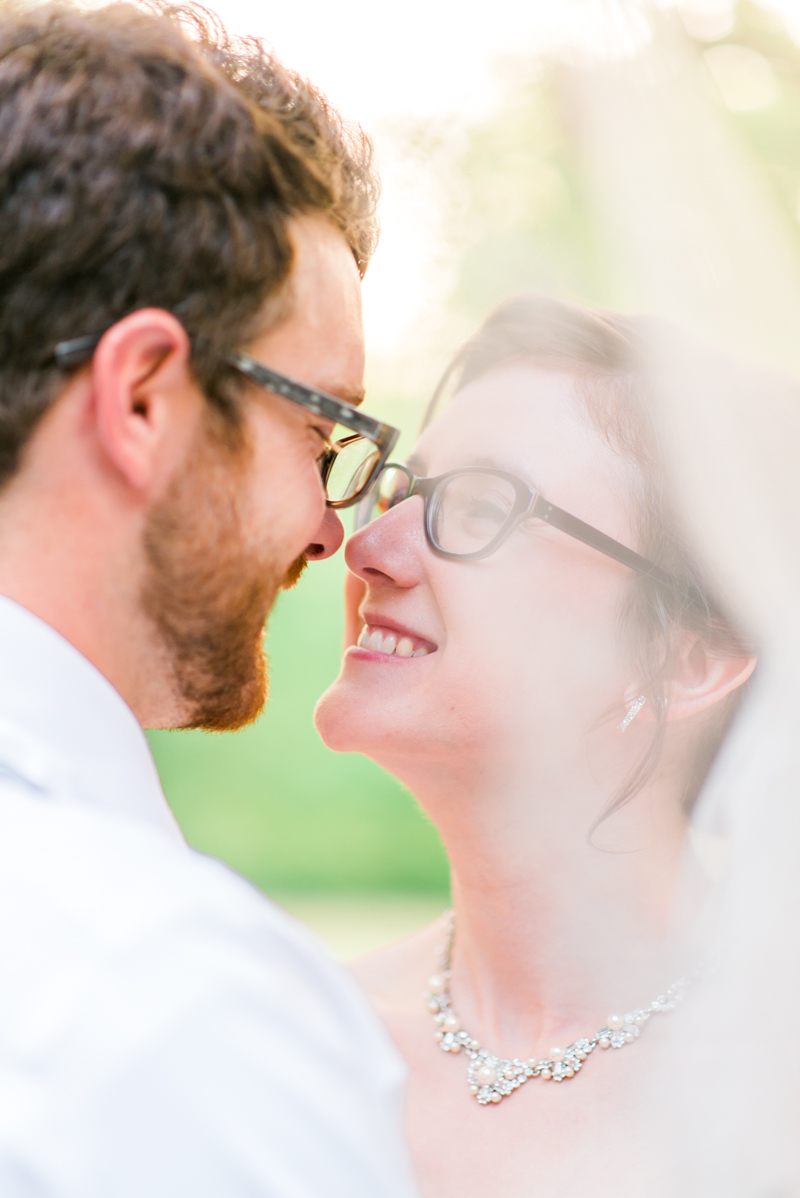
{"x":695,"y":236}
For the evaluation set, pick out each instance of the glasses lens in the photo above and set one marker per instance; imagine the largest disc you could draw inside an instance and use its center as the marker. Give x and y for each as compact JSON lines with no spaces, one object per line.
{"x":354,"y":462}
{"x":391,"y":488}
{"x":470,"y":510}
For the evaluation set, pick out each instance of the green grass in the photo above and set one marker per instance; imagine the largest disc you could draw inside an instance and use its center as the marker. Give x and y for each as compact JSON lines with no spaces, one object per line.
{"x":277,"y":805}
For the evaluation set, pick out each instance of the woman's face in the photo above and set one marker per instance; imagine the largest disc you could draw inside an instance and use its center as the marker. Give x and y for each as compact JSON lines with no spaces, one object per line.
{"x":523,"y":648}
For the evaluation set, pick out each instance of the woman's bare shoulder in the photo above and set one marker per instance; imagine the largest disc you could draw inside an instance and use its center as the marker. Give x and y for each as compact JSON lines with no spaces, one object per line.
{"x":396,"y":975}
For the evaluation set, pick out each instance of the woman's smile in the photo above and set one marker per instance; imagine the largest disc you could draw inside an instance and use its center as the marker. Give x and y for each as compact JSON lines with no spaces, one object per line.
{"x":380,"y":639}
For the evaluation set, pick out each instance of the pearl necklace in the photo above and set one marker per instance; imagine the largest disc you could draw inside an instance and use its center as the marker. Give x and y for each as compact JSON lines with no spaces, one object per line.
{"x":492,"y":1078}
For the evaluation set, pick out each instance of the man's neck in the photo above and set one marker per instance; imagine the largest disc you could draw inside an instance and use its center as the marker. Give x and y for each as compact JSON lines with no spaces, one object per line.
{"x":85,"y":592}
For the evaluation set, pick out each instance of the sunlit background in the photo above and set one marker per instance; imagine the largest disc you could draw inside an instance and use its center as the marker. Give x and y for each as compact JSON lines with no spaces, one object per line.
{"x":485,"y":196}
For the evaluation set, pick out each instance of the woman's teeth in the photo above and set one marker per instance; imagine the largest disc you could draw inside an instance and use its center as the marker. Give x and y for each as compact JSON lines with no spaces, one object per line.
{"x":388,"y":643}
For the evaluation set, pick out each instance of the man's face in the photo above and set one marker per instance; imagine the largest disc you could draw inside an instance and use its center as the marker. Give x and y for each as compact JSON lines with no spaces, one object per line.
{"x":237,"y":517}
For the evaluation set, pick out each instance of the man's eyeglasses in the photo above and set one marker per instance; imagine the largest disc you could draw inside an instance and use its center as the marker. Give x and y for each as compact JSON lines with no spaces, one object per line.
{"x":469,"y":513}
{"x":349,"y":465}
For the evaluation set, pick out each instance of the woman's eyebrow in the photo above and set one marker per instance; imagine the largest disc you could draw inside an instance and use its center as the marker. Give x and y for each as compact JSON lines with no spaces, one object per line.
{"x":483,"y":462}
{"x":488,"y":463}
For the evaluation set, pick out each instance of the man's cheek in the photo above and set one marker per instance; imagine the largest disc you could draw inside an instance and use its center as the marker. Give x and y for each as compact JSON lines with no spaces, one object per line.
{"x":285,"y":501}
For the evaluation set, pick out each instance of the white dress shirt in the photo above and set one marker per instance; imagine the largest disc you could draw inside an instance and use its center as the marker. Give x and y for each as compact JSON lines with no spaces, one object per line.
{"x":165,"y":1031}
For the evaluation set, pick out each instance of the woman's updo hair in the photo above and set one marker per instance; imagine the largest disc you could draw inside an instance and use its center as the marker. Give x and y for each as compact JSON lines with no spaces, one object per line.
{"x":606,"y":355}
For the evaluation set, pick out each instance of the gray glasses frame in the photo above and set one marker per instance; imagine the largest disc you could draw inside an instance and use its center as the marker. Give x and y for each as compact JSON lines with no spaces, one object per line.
{"x":383,"y":436}
{"x":527,"y":503}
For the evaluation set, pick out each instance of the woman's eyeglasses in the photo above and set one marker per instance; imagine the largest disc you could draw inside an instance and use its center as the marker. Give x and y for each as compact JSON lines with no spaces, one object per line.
{"x":349,"y":465}
{"x":469,"y":513}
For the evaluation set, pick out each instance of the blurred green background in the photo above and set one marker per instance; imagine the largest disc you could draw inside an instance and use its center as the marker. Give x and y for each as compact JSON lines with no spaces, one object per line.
{"x":313,"y":827}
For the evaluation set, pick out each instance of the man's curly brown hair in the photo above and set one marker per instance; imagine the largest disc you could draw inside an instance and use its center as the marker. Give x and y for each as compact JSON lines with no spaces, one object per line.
{"x":148,"y":159}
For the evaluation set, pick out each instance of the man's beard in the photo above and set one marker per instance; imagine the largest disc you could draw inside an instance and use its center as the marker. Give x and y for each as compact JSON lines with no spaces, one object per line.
{"x":207,"y":591}
{"x":292,"y":575}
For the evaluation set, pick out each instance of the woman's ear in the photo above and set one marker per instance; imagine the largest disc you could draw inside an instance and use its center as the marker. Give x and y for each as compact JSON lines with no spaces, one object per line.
{"x":699,"y":680}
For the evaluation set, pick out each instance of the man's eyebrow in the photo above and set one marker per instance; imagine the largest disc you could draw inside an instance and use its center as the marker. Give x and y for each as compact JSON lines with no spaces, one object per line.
{"x":417,"y":464}
{"x":351,"y":395}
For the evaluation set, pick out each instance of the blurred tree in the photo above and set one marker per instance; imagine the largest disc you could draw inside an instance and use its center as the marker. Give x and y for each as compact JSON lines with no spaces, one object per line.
{"x":524,"y":224}
{"x":523,"y":218}
{"x":770,"y":121}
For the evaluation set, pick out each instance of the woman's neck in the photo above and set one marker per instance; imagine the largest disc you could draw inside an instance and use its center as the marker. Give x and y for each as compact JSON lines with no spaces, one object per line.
{"x":556,"y":928}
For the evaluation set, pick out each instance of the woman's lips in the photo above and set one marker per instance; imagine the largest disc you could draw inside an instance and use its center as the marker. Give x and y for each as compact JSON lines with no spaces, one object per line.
{"x":391,"y":643}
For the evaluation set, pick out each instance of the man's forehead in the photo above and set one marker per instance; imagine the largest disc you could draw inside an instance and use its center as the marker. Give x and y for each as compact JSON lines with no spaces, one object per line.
{"x":323,"y":263}
{"x":319,"y":341}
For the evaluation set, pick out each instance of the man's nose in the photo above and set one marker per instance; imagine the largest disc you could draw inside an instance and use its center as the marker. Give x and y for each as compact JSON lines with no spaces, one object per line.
{"x":327,"y":539}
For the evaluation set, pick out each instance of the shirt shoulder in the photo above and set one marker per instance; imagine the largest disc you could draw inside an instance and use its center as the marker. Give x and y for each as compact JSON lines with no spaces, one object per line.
{"x":156,"y":991}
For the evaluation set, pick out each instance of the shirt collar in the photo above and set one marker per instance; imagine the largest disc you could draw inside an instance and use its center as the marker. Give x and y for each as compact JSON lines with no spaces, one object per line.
{"x":52,"y":699}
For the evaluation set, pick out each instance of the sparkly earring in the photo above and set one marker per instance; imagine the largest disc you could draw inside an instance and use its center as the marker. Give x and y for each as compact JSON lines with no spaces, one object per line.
{"x":632,"y":712}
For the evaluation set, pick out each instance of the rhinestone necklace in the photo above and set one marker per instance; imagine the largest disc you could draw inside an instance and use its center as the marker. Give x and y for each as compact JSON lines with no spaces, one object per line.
{"x":492,"y":1078}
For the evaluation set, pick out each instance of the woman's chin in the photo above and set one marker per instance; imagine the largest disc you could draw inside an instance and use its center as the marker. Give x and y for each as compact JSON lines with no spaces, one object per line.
{"x":351,"y":718}
{"x":344,"y":720}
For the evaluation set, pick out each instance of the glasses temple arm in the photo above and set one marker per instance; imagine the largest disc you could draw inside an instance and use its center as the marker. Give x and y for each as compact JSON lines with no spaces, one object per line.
{"x":328,"y":406}
{"x":385,"y":436}
{"x":75,"y":352}
{"x":598,"y":540}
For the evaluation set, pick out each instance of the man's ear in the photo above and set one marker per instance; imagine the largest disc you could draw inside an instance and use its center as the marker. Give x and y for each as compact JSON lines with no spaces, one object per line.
{"x":145,"y":402}
{"x":700,"y":679}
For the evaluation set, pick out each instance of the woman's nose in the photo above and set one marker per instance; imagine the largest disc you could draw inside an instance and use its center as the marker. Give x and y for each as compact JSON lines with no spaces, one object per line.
{"x":327,"y":539}
{"x":390,"y":549}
